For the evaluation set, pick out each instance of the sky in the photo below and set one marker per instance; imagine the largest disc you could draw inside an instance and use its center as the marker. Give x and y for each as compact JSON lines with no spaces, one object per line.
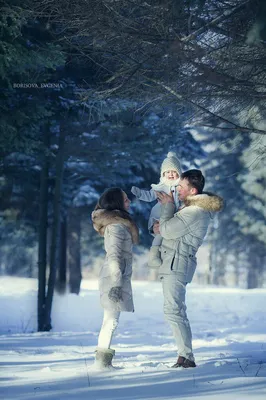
{"x":229,"y":340}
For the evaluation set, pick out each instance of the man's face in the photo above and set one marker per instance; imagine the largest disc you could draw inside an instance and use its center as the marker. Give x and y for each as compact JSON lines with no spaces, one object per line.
{"x":185,"y":190}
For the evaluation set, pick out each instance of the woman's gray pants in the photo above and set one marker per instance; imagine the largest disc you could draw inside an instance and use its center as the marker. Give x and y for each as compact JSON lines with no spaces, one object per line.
{"x":174,"y":292}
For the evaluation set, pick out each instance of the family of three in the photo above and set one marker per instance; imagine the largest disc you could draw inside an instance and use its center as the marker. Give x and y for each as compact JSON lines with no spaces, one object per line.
{"x":179,"y":223}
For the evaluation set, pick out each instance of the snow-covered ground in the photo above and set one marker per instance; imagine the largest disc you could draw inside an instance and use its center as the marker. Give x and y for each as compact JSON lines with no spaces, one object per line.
{"x":229,"y":331}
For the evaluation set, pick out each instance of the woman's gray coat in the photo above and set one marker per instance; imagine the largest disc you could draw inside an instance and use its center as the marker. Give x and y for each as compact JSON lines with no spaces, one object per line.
{"x":183,"y":233}
{"x":119,"y":235}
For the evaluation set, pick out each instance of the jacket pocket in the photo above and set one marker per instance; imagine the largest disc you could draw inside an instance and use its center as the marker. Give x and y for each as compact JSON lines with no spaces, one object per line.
{"x":180,"y":264}
{"x":168,"y":259}
{"x":184,"y":262}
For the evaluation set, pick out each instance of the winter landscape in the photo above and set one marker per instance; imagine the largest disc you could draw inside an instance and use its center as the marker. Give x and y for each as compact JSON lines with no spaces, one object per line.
{"x":96,"y":94}
{"x":229,"y":341}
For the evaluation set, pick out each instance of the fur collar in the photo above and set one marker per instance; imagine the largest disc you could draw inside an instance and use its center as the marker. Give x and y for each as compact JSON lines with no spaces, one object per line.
{"x":169,"y":182}
{"x":102,"y":218}
{"x":207,"y":201}
{"x":164,"y":187}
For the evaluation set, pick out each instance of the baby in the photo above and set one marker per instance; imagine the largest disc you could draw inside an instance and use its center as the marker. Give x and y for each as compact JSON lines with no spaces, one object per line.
{"x":170,"y":173}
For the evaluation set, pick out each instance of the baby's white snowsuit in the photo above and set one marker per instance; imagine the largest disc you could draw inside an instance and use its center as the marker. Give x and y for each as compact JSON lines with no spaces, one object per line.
{"x":149,"y":196}
{"x":170,"y":163}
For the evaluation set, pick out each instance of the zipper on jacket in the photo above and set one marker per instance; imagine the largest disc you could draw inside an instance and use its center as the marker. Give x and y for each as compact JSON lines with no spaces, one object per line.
{"x":172,"y":263}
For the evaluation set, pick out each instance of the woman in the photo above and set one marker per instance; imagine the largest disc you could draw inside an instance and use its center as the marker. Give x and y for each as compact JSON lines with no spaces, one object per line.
{"x":112,"y":220}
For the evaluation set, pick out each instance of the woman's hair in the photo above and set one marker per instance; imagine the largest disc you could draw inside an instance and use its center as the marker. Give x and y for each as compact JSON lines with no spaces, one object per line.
{"x":111,"y":199}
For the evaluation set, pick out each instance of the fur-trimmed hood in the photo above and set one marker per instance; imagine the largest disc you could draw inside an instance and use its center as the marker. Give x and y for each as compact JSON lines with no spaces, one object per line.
{"x":102,"y":218}
{"x":208,"y":201}
{"x":165,"y":184}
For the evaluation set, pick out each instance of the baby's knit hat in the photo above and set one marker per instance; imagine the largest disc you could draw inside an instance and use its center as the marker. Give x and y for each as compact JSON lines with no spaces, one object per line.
{"x":171,"y":163}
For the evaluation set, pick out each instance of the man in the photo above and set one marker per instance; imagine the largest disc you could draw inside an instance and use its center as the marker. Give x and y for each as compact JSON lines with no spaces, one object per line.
{"x":183,"y":233}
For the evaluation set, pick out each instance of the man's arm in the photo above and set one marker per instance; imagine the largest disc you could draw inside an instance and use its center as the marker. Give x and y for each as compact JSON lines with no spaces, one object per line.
{"x":173,"y":227}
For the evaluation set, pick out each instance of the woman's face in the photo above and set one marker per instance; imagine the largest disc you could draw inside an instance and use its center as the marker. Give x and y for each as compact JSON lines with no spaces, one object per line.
{"x":126,"y":201}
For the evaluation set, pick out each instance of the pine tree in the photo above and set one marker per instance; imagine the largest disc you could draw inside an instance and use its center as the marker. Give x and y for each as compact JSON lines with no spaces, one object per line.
{"x":252,"y":219}
{"x":235,"y":237}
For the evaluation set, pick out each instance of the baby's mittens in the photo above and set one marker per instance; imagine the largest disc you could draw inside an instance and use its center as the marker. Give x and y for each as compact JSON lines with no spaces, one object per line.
{"x":115,"y":294}
{"x":136,"y":191}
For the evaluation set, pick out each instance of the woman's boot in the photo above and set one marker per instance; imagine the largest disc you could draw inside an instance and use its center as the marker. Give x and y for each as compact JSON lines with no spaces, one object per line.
{"x":103,"y":357}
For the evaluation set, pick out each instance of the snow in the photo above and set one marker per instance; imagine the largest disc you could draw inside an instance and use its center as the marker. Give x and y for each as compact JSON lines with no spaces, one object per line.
{"x":229,"y":337}
{"x":86,"y":195}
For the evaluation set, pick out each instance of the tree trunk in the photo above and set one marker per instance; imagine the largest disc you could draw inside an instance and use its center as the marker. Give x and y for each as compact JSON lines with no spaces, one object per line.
{"x":43,"y":223}
{"x":212,"y":273}
{"x":61,"y":277}
{"x":55,"y":229}
{"x":255,"y":271}
{"x":208,"y":276}
{"x":237,"y":267}
{"x":252,"y":279}
{"x":74,"y":262}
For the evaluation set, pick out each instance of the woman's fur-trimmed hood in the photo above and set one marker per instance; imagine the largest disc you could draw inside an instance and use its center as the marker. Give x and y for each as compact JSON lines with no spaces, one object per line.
{"x":208,"y":201}
{"x":102,"y":218}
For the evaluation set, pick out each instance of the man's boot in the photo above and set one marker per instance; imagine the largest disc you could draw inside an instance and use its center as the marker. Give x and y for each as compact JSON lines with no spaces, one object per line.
{"x":154,"y":258}
{"x":184,"y":362}
{"x":103,"y":358}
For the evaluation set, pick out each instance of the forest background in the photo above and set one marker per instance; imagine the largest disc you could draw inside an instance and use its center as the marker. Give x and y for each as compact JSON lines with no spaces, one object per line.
{"x":94,"y":93}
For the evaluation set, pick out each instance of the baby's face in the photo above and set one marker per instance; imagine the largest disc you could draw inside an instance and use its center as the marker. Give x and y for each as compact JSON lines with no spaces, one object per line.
{"x":171,"y":175}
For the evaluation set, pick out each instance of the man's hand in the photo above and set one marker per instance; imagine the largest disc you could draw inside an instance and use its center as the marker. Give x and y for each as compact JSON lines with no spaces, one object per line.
{"x":165,"y":198}
{"x":156,"y":228}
